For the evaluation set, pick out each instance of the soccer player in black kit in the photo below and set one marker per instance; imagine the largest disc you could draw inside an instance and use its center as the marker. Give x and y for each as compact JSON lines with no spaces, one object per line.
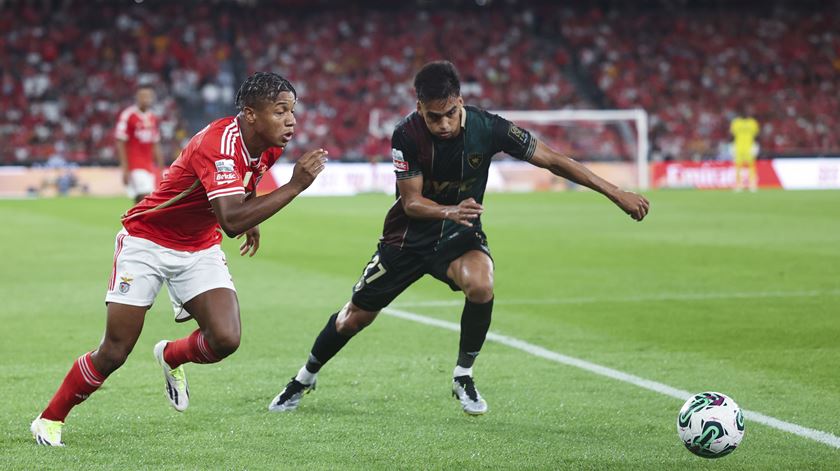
{"x":441,"y":155}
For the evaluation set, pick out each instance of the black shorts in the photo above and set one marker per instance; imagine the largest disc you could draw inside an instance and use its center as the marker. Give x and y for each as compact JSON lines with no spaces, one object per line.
{"x":391,"y":270}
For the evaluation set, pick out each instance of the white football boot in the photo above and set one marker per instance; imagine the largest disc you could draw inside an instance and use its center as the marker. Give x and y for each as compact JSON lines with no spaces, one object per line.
{"x":290,"y":396}
{"x":177,"y":389}
{"x":47,"y":432}
{"x":463,"y":389}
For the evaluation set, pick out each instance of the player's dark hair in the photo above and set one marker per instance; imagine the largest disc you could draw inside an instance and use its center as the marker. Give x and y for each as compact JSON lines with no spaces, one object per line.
{"x":145,"y":86}
{"x":260,"y":88}
{"x":437,"y":81}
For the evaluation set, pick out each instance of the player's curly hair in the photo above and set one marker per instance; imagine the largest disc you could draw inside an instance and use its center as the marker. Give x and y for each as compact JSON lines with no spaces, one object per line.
{"x":437,"y":81}
{"x":260,"y":88}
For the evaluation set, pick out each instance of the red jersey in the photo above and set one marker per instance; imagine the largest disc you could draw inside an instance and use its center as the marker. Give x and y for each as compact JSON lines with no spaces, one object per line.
{"x":139,"y":131}
{"x":215,"y":163}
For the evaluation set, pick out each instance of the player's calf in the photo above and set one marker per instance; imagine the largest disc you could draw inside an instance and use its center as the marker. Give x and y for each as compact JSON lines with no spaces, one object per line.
{"x":352,"y":319}
{"x":109,"y":357}
{"x":225,"y":344}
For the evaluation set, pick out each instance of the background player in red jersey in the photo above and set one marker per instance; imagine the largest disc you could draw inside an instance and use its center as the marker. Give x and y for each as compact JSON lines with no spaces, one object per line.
{"x":137,"y":137}
{"x":173,"y":237}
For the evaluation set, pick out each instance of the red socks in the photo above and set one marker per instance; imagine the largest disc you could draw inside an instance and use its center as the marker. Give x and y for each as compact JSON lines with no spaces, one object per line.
{"x":191,"y":349}
{"x":81,"y":381}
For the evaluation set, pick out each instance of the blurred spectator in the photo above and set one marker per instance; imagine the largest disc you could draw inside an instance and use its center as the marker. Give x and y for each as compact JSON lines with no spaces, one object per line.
{"x":692,"y":66}
{"x":67,"y":67}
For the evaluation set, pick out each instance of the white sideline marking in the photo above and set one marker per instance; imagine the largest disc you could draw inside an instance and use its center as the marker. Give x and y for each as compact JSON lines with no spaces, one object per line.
{"x":536,"y":350}
{"x":636,"y":299}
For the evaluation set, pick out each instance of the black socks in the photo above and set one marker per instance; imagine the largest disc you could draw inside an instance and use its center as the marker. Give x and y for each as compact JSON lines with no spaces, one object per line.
{"x":475,"y":322}
{"x":328,"y":343}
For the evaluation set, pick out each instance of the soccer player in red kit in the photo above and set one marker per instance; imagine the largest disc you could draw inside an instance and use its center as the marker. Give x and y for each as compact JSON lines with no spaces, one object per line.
{"x":137,"y":137}
{"x":173,"y":236}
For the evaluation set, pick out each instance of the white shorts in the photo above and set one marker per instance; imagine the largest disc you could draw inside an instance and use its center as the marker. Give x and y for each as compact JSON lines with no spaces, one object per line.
{"x":140,"y":182}
{"x":141,"y":266}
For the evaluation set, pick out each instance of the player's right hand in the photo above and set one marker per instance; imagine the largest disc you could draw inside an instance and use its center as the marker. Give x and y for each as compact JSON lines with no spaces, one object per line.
{"x":466,"y":212}
{"x":635,"y":205}
{"x":308,"y":167}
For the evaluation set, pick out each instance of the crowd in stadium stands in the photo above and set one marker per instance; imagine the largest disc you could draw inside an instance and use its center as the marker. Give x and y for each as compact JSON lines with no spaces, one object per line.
{"x":67,"y":68}
{"x":695,"y":69}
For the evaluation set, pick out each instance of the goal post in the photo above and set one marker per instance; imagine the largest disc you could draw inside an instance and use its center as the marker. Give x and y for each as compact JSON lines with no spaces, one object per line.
{"x":637,"y":116}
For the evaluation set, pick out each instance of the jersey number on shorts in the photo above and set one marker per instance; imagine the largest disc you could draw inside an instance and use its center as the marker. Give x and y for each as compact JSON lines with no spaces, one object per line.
{"x":372,"y":271}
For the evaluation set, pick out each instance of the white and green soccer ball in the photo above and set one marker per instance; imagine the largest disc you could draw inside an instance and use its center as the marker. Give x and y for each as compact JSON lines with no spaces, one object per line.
{"x":710,"y":424}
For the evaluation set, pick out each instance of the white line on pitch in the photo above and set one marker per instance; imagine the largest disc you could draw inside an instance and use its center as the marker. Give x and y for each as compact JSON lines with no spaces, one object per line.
{"x":635,"y":299}
{"x":536,"y":350}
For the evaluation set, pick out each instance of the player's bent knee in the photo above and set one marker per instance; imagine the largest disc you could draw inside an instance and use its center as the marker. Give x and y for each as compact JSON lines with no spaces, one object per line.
{"x":108,"y":358}
{"x":354,"y":321}
{"x":224,"y":345}
{"x":480,"y":293}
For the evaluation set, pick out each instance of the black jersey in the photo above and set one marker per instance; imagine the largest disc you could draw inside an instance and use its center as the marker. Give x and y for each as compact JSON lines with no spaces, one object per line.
{"x":453,"y":170}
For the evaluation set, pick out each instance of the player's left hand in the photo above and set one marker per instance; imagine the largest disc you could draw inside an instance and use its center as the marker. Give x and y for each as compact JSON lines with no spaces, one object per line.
{"x":251,"y":243}
{"x":637,"y":206}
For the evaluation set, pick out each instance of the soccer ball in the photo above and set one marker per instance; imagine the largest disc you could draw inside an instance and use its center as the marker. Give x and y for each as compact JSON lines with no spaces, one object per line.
{"x":710,"y":425}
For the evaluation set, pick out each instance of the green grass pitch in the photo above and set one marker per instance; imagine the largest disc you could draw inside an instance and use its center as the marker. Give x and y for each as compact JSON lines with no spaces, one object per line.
{"x":738,"y":293}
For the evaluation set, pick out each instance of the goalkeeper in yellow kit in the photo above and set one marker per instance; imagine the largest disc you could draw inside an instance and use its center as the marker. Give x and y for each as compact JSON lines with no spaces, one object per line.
{"x":745,"y":150}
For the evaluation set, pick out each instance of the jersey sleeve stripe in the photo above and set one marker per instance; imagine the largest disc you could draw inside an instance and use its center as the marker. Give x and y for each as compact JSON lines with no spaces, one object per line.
{"x":245,"y":152}
{"x":226,"y":192}
{"x":232,"y":143}
{"x":224,"y":140}
{"x":408,"y":174}
{"x":532,"y":148}
{"x":229,"y":144}
{"x":227,"y":138}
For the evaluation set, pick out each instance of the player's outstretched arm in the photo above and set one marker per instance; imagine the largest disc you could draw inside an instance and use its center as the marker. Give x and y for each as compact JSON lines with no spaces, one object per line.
{"x":418,"y":206}
{"x":637,"y":206}
{"x":236,"y":214}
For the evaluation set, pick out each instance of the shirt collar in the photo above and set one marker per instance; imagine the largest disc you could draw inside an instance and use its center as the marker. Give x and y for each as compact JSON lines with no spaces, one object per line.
{"x":248,"y":157}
